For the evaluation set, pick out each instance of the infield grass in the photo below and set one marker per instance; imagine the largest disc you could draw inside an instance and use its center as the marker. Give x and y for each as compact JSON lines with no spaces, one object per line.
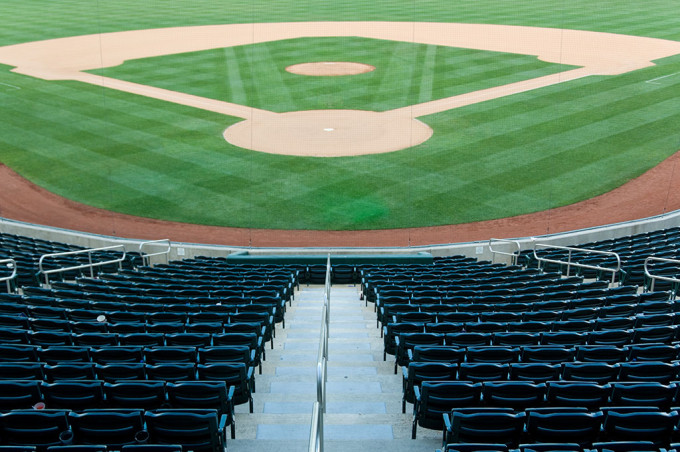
{"x":519,"y":154}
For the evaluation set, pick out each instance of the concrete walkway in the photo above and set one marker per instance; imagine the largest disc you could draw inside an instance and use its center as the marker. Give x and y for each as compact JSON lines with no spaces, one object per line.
{"x":364,"y":395}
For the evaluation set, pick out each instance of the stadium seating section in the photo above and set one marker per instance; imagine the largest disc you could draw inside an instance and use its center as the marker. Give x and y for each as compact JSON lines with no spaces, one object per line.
{"x":496,"y":357}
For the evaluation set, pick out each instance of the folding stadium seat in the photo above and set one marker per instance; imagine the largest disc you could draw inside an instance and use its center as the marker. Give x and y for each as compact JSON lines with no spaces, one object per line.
{"x":646,"y":394}
{"x":113,"y":428}
{"x":458,"y":317}
{"x":137,"y":394}
{"x":617,"y":338}
{"x":623,"y":446}
{"x":615,"y":323}
{"x":550,"y":447}
{"x":23,"y":370}
{"x":516,"y":339}
{"x":171,"y":371}
{"x":654,"y":334}
{"x":469,"y":339}
{"x":640,"y":426}
{"x":474,"y":447}
{"x":437,"y":353}
{"x":19,"y":394}
{"x":188,"y":339}
{"x":444,"y":327}
{"x":432,"y":399}
{"x":227,"y":353}
{"x":563,"y":338}
{"x":486,"y":327}
{"x":237,"y":375}
{"x":194,"y":430}
{"x":142,"y":339}
{"x":541,"y":316}
{"x":69,"y":371}
{"x":418,"y":372}
{"x":169,"y":354}
{"x":40,"y":428}
{"x":618,"y":310}
{"x":577,"y":394}
{"x":18,"y":353}
{"x":547,"y":354}
{"x":152,"y":448}
{"x":483,"y":426}
{"x":119,"y":371}
{"x":650,"y":320}
{"x":518,"y":395}
{"x":116,"y":354}
{"x":126,"y":317}
{"x":563,"y":426}
{"x":73,"y":395}
{"x":18,"y":322}
{"x":406,"y":342}
{"x":653,"y":352}
{"x":492,"y":354}
{"x":413,"y":317}
{"x":61,"y":354}
{"x":165,"y":327}
{"x":481,"y":372}
{"x":203,"y":395}
{"x":534,"y":372}
{"x":598,"y":372}
{"x":648,"y":371}
{"x":49,"y":338}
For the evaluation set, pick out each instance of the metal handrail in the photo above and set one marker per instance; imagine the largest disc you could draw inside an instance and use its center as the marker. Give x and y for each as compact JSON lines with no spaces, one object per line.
{"x":316,"y":431}
{"x":146,"y":257}
{"x":569,"y":263}
{"x":91,"y":265}
{"x":659,"y":277}
{"x":515,"y":255}
{"x":10,"y":263}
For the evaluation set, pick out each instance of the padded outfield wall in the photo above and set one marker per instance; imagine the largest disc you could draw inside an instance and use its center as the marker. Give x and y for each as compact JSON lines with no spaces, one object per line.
{"x":562,"y":106}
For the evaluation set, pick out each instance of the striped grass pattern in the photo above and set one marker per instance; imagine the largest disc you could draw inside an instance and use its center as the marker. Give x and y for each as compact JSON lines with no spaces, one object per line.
{"x":519,"y":154}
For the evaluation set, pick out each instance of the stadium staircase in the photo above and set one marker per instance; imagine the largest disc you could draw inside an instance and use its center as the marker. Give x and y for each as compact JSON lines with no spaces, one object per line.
{"x":363,"y":393}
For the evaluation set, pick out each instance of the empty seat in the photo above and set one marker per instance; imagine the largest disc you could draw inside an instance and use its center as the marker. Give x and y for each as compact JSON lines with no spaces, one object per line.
{"x":139,"y":394}
{"x":435,"y":398}
{"x":19,"y":394}
{"x":199,"y":430}
{"x":73,"y":395}
{"x":113,"y":428}
{"x":563,"y":426}
{"x":653,"y":426}
{"x":483,"y":426}
{"x":650,"y":393}
{"x":577,"y":394}
{"x":33,"y":427}
{"x":418,"y":372}
{"x":514,"y":394}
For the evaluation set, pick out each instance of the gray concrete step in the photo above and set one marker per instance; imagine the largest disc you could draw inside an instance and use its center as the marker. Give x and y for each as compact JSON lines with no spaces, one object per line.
{"x":363,"y":393}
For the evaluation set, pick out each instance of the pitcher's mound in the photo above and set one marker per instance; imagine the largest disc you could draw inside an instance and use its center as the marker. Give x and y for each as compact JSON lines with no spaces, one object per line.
{"x":330,"y":68}
{"x":328,"y":133}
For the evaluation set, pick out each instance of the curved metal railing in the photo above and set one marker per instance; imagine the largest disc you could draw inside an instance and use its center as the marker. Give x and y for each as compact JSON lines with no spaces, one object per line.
{"x":569,"y":263}
{"x":653,"y":278}
{"x":316,"y":431}
{"x":91,"y":264}
{"x":146,"y":257}
{"x":11,"y":264}
{"x":513,"y":255}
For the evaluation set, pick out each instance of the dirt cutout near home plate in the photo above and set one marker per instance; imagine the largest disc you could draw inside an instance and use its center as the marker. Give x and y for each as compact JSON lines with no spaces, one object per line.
{"x":593,"y":52}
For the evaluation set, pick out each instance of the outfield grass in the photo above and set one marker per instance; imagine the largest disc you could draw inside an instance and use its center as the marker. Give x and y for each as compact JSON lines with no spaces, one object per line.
{"x":524,"y":153}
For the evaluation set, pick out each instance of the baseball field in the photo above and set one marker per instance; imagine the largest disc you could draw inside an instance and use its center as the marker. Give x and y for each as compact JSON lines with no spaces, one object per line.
{"x":405,"y":114}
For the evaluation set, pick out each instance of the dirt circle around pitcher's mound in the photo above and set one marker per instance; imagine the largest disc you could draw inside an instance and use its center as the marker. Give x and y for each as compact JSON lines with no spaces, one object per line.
{"x":328,"y":133}
{"x":330,"y":69}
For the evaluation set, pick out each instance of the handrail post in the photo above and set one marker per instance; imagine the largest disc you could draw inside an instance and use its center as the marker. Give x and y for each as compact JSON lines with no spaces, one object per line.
{"x":570,"y":264}
{"x":146,"y":257}
{"x":11,"y":264}
{"x":513,"y":255}
{"x":652,"y":277}
{"x":89,"y":265}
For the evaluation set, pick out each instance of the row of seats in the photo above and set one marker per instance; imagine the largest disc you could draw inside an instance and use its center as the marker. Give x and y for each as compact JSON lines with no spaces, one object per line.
{"x":553,"y":354}
{"x":600,"y":446}
{"x":399,"y":344}
{"x":541,"y":372}
{"x":193,"y":429}
{"x":129,"y":394}
{"x":560,"y":425}
{"x":235,"y":374}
